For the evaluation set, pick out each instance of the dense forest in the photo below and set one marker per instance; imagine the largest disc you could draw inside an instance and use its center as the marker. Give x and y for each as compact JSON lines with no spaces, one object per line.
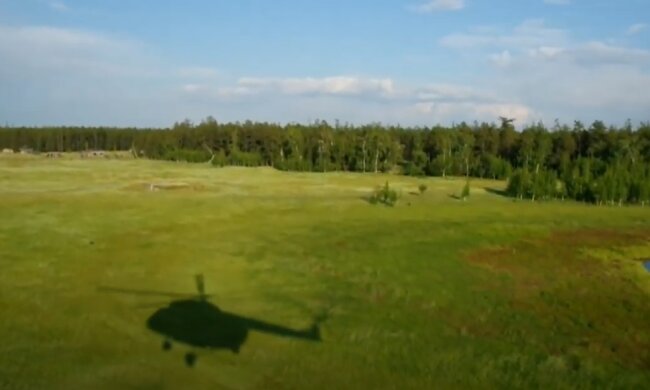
{"x":596,"y":163}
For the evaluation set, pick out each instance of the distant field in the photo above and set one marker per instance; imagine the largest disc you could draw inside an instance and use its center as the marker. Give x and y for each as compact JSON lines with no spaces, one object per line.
{"x":431,"y":293}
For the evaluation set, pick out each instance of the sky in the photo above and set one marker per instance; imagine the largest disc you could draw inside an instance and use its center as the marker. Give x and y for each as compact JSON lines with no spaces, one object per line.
{"x":150,"y":63}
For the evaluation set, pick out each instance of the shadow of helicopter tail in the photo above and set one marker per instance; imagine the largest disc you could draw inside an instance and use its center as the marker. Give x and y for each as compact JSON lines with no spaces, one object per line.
{"x":312,"y":333}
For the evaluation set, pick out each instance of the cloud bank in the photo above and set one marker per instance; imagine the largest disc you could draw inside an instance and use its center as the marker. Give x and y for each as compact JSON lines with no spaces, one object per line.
{"x":558,"y":75}
{"x":530,"y":71}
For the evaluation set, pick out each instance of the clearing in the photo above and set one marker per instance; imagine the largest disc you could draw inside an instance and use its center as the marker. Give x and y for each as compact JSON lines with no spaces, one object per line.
{"x":318,"y":288}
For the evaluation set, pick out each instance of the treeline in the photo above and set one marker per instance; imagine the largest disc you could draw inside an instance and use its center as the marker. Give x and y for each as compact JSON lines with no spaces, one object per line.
{"x":595,"y":163}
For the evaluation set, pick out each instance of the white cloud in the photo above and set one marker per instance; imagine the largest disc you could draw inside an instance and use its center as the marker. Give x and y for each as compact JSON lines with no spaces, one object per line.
{"x":488,"y":112}
{"x":53,"y":75}
{"x":452,"y":93}
{"x":194,"y":88}
{"x":235,"y":92}
{"x":337,"y":85}
{"x":451,"y":102}
{"x":546,"y":52}
{"x":534,"y":39}
{"x":591,"y":54}
{"x":54,"y":37}
{"x":210,"y":92}
{"x":65,"y":76}
{"x":557,"y":75}
{"x":376,"y":99}
{"x":58,"y":6}
{"x":502,"y":59}
{"x":570,"y":90}
{"x":636,"y":28}
{"x":439,"y":5}
{"x":198,"y":72}
{"x":557,"y":2}
{"x":529,"y":33}
{"x":601,"y":53}
{"x":54,"y":51}
{"x":265,"y":88}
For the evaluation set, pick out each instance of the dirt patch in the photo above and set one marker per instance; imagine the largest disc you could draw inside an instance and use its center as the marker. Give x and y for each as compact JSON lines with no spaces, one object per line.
{"x":168,"y":186}
{"x":164,"y":186}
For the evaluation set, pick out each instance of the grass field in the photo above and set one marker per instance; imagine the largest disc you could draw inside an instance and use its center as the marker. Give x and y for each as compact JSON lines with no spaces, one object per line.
{"x":432,"y":293}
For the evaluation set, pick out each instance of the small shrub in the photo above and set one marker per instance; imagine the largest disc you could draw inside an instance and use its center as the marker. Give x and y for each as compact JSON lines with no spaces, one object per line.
{"x":422,"y":188}
{"x":384,"y":195}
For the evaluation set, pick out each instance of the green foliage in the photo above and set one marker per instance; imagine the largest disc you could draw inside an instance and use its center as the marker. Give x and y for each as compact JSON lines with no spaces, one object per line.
{"x":640,"y":191}
{"x":417,"y":166}
{"x":422,"y":188}
{"x":518,"y":184}
{"x":539,"y":185}
{"x":246,"y":159}
{"x":491,"y":166}
{"x":597,"y":163}
{"x":219,"y":159}
{"x":187,"y":155}
{"x":384,"y":195}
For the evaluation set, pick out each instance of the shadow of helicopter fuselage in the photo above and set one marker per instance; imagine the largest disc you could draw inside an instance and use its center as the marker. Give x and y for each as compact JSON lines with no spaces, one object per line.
{"x":198,"y":323}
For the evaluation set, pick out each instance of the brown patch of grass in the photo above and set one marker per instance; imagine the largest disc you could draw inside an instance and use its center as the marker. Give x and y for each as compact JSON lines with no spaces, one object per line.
{"x":590,"y":307}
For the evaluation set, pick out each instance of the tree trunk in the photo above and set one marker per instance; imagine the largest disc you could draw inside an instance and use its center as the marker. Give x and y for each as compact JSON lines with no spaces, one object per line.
{"x":320,"y":154}
{"x":363,"y":152}
{"x":376,"y":160}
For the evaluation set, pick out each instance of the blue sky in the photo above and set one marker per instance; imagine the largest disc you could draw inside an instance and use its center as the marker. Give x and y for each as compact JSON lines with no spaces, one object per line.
{"x":413,"y":62}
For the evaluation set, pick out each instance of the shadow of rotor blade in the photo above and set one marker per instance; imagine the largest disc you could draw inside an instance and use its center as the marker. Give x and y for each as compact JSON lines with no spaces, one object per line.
{"x":312,"y":333}
{"x":151,"y":293}
{"x":151,"y":305}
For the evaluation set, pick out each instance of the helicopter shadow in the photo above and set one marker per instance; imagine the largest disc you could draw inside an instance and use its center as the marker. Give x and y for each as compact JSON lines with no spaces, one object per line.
{"x":199,"y":324}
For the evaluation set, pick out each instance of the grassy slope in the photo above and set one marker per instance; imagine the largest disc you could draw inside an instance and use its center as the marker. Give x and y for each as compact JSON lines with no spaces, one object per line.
{"x":438,"y":292}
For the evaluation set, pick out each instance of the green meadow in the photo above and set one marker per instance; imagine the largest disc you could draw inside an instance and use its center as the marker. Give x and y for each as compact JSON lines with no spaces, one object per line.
{"x":434,"y":292}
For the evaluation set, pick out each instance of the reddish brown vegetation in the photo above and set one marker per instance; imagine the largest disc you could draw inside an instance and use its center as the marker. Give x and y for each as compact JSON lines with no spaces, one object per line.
{"x":591,"y":306}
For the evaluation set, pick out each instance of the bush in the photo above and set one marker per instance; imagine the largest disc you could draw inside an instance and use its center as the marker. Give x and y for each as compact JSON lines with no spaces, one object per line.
{"x":422,"y":188}
{"x":246,"y":159}
{"x":411,"y":169}
{"x":384,"y":195}
{"x":519,"y":184}
{"x":538,"y":185}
